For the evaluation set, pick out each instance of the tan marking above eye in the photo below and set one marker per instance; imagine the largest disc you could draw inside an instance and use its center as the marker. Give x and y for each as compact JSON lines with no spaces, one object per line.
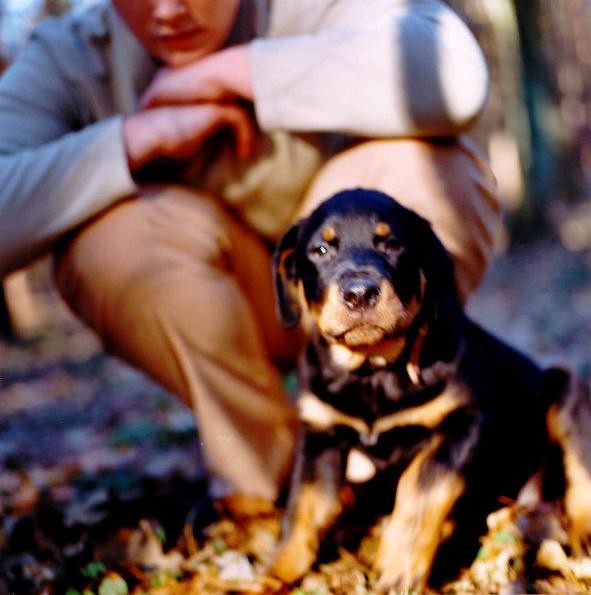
{"x":382,"y":229}
{"x":329,"y":234}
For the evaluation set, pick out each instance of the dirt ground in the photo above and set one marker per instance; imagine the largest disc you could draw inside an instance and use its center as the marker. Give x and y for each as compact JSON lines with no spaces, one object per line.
{"x":102,"y":479}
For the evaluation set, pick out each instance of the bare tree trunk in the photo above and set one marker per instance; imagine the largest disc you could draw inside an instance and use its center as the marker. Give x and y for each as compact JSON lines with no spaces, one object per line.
{"x":540,"y":97}
{"x":539,"y":53}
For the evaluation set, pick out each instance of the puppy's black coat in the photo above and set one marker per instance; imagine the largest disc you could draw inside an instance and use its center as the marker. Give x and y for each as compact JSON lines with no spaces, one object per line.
{"x":407,"y":406}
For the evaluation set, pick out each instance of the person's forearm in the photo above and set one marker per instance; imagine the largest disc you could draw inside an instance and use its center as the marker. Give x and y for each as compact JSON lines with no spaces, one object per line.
{"x":415,"y":72}
{"x":223,"y":76}
{"x":53,"y":176}
{"x":231,"y":70}
{"x":47,"y":191}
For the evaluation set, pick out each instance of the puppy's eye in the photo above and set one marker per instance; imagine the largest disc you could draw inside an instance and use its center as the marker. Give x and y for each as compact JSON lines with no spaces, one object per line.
{"x":390,"y":246}
{"x":320,"y":251}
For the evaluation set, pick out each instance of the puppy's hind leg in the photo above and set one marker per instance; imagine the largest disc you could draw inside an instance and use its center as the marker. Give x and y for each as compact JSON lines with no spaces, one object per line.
{"x":569,"y":425}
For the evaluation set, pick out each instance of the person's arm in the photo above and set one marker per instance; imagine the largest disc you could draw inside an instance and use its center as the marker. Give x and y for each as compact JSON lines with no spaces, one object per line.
{"x":222,"y":76}
{"x":406,"y":69}
{"x":366,"y":67}
{"x":179,"y":131}
{"x":54,"y":175}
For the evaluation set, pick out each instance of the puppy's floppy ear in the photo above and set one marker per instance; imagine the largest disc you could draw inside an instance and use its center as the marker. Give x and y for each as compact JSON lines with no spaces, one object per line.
{"x":436,"y":262}
{"x":286,"y":279}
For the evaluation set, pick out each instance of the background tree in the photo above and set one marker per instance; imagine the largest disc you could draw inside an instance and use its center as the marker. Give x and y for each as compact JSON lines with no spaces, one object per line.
{"x":537,"y":128}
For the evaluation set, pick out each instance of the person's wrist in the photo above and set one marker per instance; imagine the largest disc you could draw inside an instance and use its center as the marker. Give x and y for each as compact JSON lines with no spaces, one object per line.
{"x":231,"y":72}
{"x":137,"y":141}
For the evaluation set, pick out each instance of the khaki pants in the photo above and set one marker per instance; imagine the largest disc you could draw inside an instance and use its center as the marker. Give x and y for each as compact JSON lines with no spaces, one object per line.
{"x":179,"y":288}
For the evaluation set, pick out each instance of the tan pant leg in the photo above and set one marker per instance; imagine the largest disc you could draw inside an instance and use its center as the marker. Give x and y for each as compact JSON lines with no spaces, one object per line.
{"x":179,"y":289}
{"x":446,"y":182}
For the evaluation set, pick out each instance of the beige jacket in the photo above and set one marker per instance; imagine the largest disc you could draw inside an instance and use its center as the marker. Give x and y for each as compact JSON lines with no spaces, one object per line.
{"x":326,"y":73}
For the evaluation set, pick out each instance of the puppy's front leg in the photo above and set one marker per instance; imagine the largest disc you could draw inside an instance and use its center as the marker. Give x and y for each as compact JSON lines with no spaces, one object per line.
{"x":427,"y":492}
{"x":314,"y":505}
{"x":569,"y":425}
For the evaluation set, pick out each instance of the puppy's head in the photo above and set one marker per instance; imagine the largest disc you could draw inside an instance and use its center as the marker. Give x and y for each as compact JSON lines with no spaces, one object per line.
{"x":363,"y":266}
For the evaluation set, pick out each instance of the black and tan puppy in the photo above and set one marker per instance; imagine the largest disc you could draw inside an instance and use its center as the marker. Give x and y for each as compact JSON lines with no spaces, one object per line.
{"x":407,"y":407}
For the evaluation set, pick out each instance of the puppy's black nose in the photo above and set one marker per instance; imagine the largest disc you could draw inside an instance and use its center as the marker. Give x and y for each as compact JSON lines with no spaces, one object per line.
{"x":360,"y":292}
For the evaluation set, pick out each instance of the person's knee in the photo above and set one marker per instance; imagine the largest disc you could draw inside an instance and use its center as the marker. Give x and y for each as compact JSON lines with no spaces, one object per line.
{"x":128,"y":254}
{"x":418,"y":173}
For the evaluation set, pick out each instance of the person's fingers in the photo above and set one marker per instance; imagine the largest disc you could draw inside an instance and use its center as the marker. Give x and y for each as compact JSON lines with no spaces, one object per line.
{"x":194,"y":124}
{"x":242,"y":128}
{"x":180,"y":131}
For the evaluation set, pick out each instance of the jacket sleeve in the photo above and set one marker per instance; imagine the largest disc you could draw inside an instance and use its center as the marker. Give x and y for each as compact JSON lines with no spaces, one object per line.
{"x":54,"y":173}
{"x":373,"y":68}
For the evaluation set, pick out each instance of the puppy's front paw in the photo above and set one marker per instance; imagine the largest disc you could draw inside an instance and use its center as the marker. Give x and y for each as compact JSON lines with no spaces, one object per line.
{"x":577,"y":499}
{"x":580,"y":532}
{"x":401,"y":571}
{"x":293,"y":559}
{"x":400,"y":581}
{"x":399,"y":584}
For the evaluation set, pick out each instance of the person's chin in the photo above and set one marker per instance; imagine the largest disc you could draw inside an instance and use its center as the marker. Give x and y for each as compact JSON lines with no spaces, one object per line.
{"x":179,"y":50}
{"x":179,"y":57}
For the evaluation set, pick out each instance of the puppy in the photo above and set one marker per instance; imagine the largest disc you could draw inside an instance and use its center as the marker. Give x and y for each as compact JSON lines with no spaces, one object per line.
{"x":407,"y":407}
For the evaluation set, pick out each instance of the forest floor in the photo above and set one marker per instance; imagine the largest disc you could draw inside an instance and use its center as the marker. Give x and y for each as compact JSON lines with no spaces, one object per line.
{"x":101,"y":474}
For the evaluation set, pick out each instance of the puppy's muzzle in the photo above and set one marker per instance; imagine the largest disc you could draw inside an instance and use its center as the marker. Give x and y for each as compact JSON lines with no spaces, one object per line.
{"x":359,"y":292}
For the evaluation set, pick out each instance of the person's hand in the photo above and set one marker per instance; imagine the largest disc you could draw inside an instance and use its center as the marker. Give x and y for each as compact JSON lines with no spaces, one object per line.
{"x":179,"y":131}
{"x":224,"y":75}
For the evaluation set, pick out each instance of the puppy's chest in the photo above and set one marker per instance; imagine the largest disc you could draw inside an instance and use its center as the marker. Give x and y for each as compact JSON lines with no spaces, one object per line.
{"x":379,"y":398}
{"x":373,"y":431}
